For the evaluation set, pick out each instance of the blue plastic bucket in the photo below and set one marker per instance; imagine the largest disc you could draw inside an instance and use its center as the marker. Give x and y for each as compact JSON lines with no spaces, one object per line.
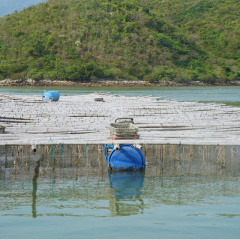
{"x":50,"y":96}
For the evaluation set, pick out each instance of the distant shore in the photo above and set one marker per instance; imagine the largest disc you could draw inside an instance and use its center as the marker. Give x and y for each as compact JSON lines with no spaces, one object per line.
{"x":105,"y":83}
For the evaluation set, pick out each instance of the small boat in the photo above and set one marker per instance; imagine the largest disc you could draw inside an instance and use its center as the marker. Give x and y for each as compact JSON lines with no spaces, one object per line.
{"x":50,"y":96}
{"x":124,"y":157}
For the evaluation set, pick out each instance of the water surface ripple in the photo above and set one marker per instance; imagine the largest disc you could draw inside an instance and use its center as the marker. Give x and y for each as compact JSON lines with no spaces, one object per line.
{"x":70,"y":203}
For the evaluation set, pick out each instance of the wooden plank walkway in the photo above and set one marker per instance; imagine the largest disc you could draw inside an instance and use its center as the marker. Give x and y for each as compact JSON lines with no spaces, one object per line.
{"x":82,"y":120}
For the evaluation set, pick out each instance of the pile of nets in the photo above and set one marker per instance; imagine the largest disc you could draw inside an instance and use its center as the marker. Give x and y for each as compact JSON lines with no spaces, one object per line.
{"x":123,"y":128}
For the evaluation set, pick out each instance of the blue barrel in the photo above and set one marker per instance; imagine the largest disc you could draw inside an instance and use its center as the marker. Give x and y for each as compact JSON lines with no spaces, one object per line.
{"x":127,"y":157}
{"x":50,"y":96}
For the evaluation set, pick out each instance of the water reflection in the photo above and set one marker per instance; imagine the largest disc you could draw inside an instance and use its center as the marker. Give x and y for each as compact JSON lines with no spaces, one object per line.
{"x":34,"y":196}
{"x":34,"y":190}
{"x":126,"y":199}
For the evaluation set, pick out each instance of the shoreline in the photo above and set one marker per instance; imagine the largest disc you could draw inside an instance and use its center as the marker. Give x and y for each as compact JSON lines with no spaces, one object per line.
{"x":105,"y":83}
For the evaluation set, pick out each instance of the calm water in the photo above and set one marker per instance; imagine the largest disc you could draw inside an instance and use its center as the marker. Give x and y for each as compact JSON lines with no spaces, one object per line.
{"x":73,"y":204}
{"x":217,"y":94}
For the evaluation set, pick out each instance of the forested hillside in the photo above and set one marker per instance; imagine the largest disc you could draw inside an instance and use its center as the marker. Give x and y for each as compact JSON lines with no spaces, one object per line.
{"x":84,"y":40}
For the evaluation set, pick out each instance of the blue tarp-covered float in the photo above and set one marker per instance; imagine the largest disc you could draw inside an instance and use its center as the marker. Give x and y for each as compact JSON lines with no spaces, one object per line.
{"x":50,"y":96}
{"x":124,"y":157}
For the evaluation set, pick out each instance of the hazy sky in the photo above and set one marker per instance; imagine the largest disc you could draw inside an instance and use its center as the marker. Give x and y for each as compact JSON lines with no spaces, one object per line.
{"x":10,"y":6}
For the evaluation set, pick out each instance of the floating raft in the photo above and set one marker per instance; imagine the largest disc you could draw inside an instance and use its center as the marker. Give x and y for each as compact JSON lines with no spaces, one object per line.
{"x":82,"y":120}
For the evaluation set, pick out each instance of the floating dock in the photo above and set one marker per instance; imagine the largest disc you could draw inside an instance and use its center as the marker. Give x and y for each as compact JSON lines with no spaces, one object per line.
{"x":169,"y":130}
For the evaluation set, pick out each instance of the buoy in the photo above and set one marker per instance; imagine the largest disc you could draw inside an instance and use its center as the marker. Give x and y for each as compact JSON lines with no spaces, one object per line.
{"x":126,"y":157}
{"x":51,"y":96}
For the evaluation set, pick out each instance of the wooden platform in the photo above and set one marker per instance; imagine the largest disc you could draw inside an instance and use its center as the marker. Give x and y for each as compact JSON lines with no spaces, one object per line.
{"x":82,"y":120}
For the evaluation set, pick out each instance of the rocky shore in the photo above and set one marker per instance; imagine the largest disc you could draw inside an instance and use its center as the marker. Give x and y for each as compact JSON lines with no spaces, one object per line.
{"x":106,"y":83}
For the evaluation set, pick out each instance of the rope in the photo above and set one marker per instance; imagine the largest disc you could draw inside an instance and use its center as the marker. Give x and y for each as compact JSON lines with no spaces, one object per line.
{"x":5,"y":153}
{"x":61,"y":148}
{"x":62,"y":154}
{"x":179,"y":149}
{"x":29,"y":155}
{"x":0,"y":165}
{"x":221,"y":156}
{"x":52,"y":154}
{"x":85,"y":154}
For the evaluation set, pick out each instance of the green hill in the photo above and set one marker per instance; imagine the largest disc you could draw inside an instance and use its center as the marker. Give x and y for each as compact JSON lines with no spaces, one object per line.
{"x":84,"y":40}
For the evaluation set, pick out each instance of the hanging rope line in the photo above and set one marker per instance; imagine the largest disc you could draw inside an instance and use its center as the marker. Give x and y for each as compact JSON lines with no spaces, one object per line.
{"x":60,"y":149}
{"x":179,"y":150}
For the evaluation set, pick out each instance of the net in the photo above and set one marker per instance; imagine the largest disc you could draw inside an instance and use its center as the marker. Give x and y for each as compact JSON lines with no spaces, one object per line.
{"x":123,"y":128}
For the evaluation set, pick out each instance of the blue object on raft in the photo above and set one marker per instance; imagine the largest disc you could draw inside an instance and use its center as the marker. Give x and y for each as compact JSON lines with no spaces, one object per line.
{"x":51,"y":96}
{"x":124,"y":157}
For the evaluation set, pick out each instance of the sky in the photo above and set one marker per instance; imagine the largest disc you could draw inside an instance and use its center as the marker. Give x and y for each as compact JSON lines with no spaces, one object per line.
{"x":10,"y":6}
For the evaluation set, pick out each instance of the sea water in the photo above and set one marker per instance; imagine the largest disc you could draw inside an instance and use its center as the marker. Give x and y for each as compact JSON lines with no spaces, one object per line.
{"x":203,"y":94}
{"x":77,"y":203}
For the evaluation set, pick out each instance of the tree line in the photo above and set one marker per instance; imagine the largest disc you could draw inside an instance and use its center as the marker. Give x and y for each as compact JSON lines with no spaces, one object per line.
{"x":87,"y":40}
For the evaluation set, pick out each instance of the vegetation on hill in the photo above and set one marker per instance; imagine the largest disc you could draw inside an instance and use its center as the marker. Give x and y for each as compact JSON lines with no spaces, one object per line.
{"x":183,"y":41}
